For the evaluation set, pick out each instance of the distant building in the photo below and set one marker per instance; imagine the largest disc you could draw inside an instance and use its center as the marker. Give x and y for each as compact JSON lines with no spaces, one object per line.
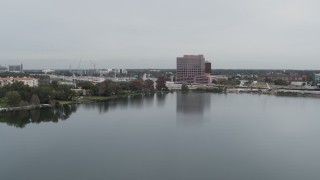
{"x":46,"y":71}
{"x":105,"y":71}
{"x":3,"y":68}
{"x":192,"y":69}
{"x":317,"y":77}
{"x":120,"y":71}
{"x":123,"y":71}
{"x":16,"y":68}
{"x":298,"y":77}
{"x":207,"y":68}
{"x":271,"y":77}
{"x":32,"y":82}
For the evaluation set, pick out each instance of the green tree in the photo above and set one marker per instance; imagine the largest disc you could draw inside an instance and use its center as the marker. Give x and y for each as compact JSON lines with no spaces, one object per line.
{"x":214,"y":81}
{"x":161,"y":84}
{"x":14,"y":98}
{"x":148,"y":86}
{"x":45,"y":94}
{"x":23,"y":90}
{"x":125,"y":87}
{"x":101,"y":89}
{"x":4,"y":102}
{"x":184,"y":88}
{"x":113,"y":89}
{"x":35,"y":101}
{"x":54,"y":84}
{"x":136,"y":85}
{"x":64,"y":92}
{"x":281,"y":82}
{"x":85,"y":85}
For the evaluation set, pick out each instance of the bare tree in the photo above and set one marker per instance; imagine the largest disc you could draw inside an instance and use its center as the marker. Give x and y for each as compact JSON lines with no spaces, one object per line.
{"x":35,"y":100}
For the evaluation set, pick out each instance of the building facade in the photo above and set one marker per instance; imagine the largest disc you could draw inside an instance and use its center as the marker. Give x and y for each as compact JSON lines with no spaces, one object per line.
{"x":271,"y":77}
{"x":16,"y":68}
{"x":191,"y":69}
{"x":3,"y":68}
{"x":317,"y":77}
{"x":207,"y":67}
{"x":32,"y":82}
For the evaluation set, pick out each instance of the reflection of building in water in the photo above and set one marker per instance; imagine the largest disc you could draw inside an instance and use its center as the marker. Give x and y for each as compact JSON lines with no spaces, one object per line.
{"x":191,"y":107}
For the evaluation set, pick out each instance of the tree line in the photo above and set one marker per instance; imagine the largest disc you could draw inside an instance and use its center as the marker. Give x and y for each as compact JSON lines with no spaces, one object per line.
{"x":17,"y":94}
{"x":111,"y":88}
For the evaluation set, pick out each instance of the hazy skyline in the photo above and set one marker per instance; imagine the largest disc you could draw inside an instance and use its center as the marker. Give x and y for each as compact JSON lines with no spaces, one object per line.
{"x":246,"y":34}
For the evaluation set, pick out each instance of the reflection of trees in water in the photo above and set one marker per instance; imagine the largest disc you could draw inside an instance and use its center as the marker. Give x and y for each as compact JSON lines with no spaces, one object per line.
{"x":22,"y":118}
{"x":192,"y":103}
{"x":149,"y":99}
{"x":191,"y":107}
{"x":161,"y":97}
{"x":136,"y":101}
{"x":105,"y":106}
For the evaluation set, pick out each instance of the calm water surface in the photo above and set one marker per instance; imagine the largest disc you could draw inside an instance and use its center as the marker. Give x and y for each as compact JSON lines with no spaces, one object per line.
{"x":194,"y":136}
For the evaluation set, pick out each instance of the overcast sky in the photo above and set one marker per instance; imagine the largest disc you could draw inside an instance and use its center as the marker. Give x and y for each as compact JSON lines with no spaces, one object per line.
{"x":246,"y":34}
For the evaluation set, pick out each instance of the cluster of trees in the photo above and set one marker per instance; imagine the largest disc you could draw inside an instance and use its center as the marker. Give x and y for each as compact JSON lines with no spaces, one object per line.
{"x":17,"y":94}
{"x":233,"y":81}
{"x":184,"y":88}
{"x":281,"y":82}
{"x":13,"y":74}
{"x":110,"y":88}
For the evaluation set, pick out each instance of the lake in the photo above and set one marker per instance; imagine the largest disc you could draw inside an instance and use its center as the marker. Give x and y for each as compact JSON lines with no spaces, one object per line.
{"x":196,"y":136}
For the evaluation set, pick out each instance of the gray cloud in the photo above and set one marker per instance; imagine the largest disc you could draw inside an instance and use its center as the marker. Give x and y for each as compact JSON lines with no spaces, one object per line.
{"x":150,"y":34}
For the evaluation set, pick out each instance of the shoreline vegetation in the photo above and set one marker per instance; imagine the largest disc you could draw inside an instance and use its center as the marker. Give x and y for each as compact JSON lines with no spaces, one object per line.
{"x":17,"y":96}
{"x":93,"y":99}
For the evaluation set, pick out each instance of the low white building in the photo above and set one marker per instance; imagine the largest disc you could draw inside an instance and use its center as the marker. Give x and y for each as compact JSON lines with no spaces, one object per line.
{"x":105,"y":71}
{"x":32,"y":82}
{"x":298,"y":83}
{"x":46,"y":71}
{"x":173,"y":86}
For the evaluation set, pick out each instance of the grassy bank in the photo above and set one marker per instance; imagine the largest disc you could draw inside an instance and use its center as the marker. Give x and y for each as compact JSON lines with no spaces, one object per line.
{"x":294,"y":94}
{"x":210,"y":90}
{"x":91,"y":99}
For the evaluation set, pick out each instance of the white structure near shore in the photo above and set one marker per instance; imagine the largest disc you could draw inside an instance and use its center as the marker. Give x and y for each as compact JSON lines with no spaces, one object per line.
{"x":32,"y":82}
{"x":317,"y":77}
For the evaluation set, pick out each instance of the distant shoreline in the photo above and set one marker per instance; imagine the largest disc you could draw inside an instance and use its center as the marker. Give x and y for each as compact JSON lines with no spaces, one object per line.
{"x":80,"y":100}
{"x":7,"y":109}
{"x":94,"y":99}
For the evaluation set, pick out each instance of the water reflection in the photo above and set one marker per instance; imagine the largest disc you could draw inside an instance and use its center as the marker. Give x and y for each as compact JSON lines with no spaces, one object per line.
{"x":161,"y":97}
{"x":191,"y":108}
{"x":149,"y":100}
{"x":21,"y":118}
{"x":136,"y":101}
{"x":106,"y":106}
